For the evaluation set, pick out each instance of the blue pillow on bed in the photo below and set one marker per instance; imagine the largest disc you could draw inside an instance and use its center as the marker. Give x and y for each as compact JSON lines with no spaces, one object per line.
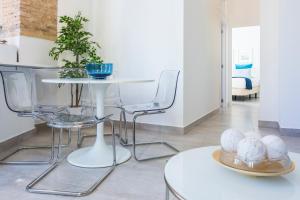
{"x":243,"y":66}
{"x":243,"y":70}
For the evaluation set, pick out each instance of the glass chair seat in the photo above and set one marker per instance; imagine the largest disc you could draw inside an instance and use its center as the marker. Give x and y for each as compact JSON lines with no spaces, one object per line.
{"x":44,"y":109}
{"x":131,"y":109}
{"x":64,"y":120}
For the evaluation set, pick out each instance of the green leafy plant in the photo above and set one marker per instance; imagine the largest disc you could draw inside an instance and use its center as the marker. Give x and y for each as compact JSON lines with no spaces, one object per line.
{"x":74,"y":40}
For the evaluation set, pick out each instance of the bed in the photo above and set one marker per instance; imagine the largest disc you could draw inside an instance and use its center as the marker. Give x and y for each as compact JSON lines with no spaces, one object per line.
{"x":243,"y":84}
{"x":239,"y":87}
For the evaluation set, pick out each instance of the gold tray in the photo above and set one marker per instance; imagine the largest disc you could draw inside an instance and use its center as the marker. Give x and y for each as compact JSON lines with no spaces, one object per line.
{"x":217,"y":157}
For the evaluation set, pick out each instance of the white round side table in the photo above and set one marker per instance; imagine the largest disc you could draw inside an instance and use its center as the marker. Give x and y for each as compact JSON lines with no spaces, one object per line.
{"x":194,"y":175}
{"x":100,"y":154}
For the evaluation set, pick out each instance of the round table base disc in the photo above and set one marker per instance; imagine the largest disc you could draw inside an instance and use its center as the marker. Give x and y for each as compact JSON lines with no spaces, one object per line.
{"x":87,"y":158}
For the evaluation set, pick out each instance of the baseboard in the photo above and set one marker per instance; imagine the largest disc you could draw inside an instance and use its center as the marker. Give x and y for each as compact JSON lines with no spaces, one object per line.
{"x":199,"y":121}
{"x":290,"y":132}
{"x":268,"y":124}
{"x":283,"y":131}
{"x":17,"y":140}
{"x":170,"y":129}
{"x":154,"y":127}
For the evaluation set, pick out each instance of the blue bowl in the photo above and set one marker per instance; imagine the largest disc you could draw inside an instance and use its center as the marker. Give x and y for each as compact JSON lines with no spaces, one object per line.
{"x":99,"y":71}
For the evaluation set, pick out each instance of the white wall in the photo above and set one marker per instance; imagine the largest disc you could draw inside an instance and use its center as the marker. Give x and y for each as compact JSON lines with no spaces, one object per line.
{"x":289,"y":64}
{"x":280,"y":63}
{"x":202,"y":58}
{"x":72,"y":7}
{"x":269,"y":95}
{"x":35,"y":50}
{"x":247,"y":40}
{"x":243,"y":12}
{"x":142,"y":38}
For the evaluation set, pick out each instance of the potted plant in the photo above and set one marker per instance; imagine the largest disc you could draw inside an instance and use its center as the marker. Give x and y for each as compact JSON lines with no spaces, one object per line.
{"x":73,"y":40}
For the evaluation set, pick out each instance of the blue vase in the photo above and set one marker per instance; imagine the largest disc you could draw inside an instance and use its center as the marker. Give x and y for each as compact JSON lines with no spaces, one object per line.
{"x":99,"y":71}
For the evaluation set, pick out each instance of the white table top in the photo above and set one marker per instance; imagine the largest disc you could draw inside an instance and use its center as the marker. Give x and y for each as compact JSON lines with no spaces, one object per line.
{"x":93,"y":81}
{"x":194,"y":175}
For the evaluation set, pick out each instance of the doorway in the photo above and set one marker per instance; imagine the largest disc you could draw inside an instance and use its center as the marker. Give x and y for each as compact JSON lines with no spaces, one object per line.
{"x":245,"y":85}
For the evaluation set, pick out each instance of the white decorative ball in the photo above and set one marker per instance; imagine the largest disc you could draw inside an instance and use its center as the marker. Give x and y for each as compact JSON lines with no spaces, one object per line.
{"x":253,"y":134}
{"x":276,"y":148}
{"x":251,"y":150}
{"x":230,"y":139}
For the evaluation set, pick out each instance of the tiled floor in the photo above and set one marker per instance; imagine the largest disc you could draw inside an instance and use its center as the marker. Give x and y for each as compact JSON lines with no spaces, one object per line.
{"x":132,"y":180}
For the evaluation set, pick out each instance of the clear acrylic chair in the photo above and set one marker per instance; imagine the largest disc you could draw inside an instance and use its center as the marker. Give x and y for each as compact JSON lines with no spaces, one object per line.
{"x":163,"y":100}
{"x":64,"y":120}
{"x":17,"y":87}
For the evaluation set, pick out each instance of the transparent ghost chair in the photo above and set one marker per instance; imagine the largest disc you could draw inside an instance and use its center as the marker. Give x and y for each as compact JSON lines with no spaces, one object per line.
{"x":163,"y":101}
{"x":86,"y":118}
{"x":18,"y":94}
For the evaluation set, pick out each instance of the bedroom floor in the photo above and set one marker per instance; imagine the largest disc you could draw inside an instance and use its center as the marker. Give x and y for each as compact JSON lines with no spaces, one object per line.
{"x":132,"y":180}
{"x":246,"y":99}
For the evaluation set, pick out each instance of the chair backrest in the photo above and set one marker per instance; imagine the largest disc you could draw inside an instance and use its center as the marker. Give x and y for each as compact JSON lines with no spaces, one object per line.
{"x":43,"y":93}
{"x":17,"y":91}
{"x":113,"y":93}
{"x":167,"y":89}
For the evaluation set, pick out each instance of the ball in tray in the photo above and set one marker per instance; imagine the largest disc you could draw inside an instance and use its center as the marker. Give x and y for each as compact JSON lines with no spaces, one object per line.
{"x":276,"y":147}
{"x":230,"y":139}
{"x":251,"y":150}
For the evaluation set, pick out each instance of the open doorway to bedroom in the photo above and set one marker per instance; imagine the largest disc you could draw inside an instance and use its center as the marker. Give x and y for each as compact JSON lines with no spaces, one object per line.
{"x":245,"y":64}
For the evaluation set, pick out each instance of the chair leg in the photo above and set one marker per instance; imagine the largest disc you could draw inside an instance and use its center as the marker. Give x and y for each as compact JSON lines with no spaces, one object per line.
{"x":79,"y":138}
{"x":59,"y":151}
{"x":120,"y":125}
{"x":167,"y":193}
{"x":123,"y":141}
{"x":30,"y":187}
{"x":134,"y":144}
{"x":50,"y":160}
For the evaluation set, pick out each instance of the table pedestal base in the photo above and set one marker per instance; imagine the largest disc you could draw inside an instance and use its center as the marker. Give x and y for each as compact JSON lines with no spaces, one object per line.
{"x":91,"y":157}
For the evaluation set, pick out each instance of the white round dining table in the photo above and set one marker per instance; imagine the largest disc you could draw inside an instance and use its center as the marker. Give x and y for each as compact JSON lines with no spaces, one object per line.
{"x":194,"y":175}
{"x":100,"y":154}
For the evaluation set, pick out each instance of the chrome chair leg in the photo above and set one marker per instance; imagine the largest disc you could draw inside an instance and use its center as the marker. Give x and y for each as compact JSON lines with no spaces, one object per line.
{"x":123,"y":141}
{"x":50,"y":160}
{"x":167,"y":193}
{"x":134,"y":144}
{"x":30,"y":187}
{"x":59,"y":151}
{"x":79,"y":138}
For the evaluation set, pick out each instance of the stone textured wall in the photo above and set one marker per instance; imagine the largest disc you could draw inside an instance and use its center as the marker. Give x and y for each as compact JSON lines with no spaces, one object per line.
{"x":33,"y":18}
{"x":10,"y":18}
{"x":39,"y":18}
